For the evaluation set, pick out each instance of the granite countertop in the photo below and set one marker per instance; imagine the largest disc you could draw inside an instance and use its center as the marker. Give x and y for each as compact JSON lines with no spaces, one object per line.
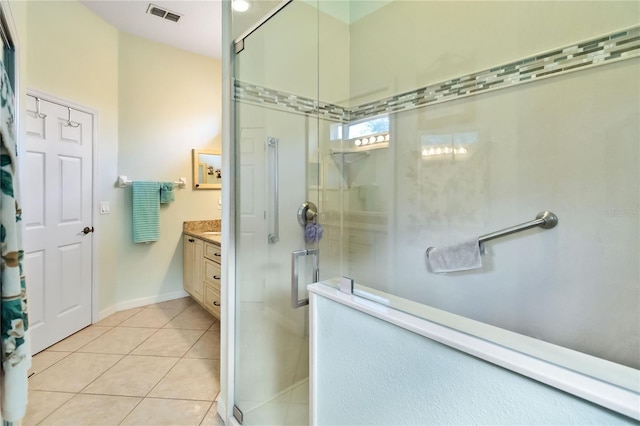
{"x":206,"y":230}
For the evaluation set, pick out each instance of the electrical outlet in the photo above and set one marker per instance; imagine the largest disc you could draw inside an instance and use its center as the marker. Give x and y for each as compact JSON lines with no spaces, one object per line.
{"x":105,"y":207}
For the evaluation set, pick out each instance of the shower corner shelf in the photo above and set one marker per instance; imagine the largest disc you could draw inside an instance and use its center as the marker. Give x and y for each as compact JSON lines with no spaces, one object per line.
{"x":348,"y":156}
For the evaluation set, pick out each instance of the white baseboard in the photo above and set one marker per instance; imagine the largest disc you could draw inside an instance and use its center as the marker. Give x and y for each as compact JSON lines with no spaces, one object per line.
{"x":142,"y":301}
{"x":222,"y":409}
{"x":107,"y":312}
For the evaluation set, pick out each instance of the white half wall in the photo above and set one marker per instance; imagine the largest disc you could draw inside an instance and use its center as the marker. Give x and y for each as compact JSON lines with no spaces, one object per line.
{"x":367,"y":371}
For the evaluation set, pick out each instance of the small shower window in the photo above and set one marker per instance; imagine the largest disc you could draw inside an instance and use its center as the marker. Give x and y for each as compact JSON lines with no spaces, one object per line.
{"x":368,"y":127}
{"x":360,"y":129}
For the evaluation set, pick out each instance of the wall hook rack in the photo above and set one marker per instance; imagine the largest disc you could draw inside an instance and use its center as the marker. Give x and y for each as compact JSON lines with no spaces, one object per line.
{"x":38,"y":113}
{"x":70,"y":123}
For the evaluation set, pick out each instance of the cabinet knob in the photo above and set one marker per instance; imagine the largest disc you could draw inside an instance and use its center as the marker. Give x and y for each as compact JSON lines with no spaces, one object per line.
{"x":191,"y":240}
{"x":216,"y":303}
{"x":217,"y":254}
{"x":216,"y":277}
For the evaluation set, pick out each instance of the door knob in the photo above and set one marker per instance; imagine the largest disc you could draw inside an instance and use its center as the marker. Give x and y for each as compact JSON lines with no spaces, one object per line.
{"x":87,"y":230}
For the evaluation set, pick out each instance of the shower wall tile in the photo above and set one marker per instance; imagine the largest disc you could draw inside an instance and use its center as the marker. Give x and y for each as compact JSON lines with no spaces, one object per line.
{"x":254,"y":94}
{"x":614,"y":47}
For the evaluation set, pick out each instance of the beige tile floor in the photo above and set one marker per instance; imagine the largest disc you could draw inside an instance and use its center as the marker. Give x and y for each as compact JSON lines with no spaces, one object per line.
{"x":156,"y":365}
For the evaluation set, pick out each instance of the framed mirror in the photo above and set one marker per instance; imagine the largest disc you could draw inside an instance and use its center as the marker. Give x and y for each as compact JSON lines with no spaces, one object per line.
{"x":207,"y":169}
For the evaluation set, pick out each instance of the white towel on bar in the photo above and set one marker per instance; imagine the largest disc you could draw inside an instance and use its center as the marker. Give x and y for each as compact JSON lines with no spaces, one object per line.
{"x":459,"y":257}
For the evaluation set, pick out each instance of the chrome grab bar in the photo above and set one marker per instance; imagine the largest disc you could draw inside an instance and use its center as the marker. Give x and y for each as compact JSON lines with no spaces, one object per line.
{"x":275,"y":236}
{"x":295,"y":301}
{"x":545,"y":220}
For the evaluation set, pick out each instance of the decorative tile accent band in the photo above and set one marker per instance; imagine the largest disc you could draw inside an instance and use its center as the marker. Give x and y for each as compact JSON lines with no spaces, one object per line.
{"x":289,"y":102}
{"x":607,"y":49}
{"x":603,"y":50}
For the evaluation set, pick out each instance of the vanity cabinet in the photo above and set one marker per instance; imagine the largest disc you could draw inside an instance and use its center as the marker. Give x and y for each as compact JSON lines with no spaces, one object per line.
{"x":193,"y":266}
{"x":211,"y":297}
{"x":201,"y":273}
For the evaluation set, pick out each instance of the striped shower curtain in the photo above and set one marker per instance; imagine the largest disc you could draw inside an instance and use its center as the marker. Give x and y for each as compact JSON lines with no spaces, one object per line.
{"x":16,"y":353}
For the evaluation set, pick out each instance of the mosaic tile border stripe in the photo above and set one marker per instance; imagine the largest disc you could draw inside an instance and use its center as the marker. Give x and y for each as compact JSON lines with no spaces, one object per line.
{"x":289,"y":102}
{"x":607,"y":49}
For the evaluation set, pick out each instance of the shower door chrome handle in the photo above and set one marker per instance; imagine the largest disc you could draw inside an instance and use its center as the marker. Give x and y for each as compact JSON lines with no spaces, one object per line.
{"x":275,"y":236}
{"x":295,"y":276}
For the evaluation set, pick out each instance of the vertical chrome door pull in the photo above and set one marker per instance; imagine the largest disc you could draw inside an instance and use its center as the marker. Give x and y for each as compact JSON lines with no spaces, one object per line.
{"x":275,"y":236}
{"x":295,"y":301}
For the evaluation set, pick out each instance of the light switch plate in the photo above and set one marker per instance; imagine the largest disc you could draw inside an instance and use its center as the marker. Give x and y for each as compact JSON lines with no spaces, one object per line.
{"x":105,"y":207}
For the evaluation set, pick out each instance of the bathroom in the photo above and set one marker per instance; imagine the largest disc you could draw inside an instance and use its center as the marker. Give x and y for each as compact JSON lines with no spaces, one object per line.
{"x":147,"y":124}
{"x":514,"y":150}
{"x":444,"y":121}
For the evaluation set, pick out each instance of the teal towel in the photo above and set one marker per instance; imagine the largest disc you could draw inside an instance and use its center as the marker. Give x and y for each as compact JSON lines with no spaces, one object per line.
{"x":166,"y":193}
{"x":146,"y":211}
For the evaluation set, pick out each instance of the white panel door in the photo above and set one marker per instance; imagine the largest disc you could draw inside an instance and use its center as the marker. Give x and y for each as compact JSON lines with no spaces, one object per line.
{"x":253,"y":232}
{"x":57,"y":200}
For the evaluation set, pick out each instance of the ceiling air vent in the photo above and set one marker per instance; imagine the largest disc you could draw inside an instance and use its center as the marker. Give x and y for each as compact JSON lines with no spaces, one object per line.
{"x":163,"y":13}
{"x":172,"y":17}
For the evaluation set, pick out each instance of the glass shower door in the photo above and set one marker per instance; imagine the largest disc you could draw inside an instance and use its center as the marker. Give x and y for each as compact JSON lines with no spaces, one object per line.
{"x":276,"y":163}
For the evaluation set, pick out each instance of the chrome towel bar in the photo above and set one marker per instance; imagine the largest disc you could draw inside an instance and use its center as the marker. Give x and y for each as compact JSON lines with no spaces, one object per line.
{"x":545,"y":220}
{"x":123,"y":181}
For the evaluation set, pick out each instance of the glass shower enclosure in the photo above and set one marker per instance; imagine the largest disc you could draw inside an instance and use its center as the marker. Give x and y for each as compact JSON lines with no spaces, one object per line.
{"x":277,"y":231}
{"x":368,"y":131}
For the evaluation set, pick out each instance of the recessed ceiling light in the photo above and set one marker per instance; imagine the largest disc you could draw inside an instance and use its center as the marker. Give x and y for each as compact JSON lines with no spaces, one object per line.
{"x":240,"y":5}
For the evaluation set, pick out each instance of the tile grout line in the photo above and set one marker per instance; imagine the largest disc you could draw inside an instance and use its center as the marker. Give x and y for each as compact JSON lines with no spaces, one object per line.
{"x":130,"y":354}
{"x":167,"y":373}
{"x":81,"y":346}
{"x":35,"y":373}
{"x":174,"y":365}
{"x":143,"y":397}
{"x":123,"y":357}
{"x":206,"y":412}
{"x":75,"y":394}
{"x":137,"y":346}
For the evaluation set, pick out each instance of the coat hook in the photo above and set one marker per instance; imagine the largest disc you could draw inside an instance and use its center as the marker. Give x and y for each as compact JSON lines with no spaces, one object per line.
{"x":69,"y":123}
{"x":38,"y":113}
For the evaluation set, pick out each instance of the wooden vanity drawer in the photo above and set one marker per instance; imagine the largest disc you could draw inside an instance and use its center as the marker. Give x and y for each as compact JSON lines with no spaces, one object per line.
{"x":212,"y":300}
{"x":213,"y":252}
{"x":212,"y":274}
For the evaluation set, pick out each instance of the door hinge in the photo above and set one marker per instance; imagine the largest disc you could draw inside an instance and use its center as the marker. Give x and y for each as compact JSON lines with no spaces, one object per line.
{"x":238,"y":46}
{"x":237,"y":414}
